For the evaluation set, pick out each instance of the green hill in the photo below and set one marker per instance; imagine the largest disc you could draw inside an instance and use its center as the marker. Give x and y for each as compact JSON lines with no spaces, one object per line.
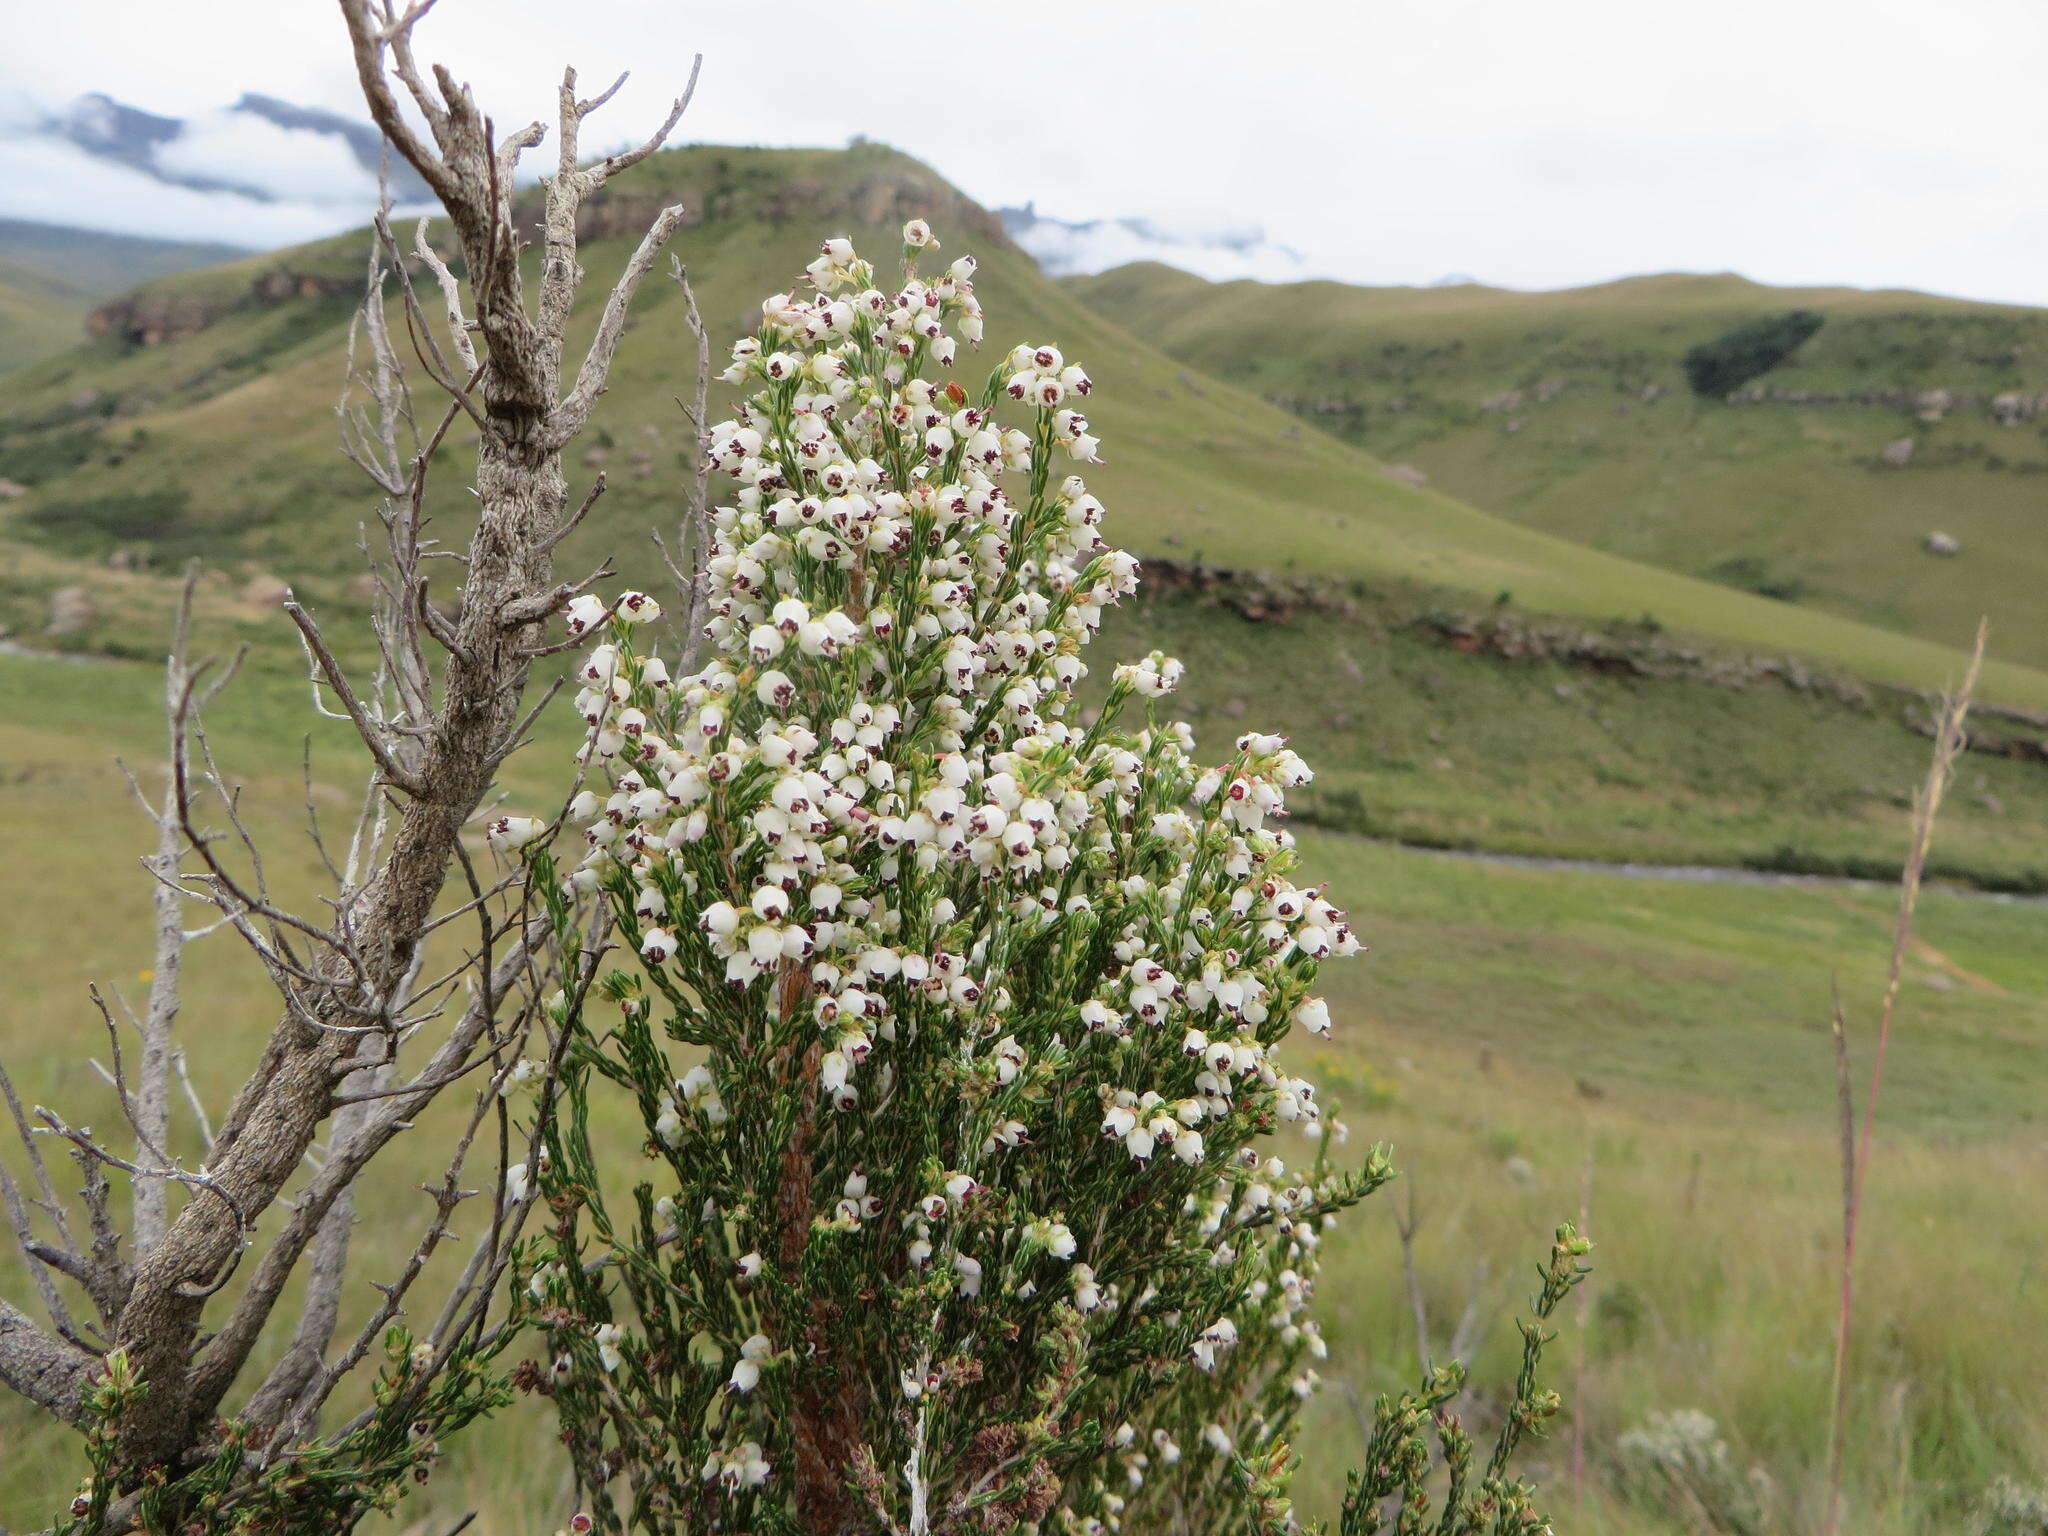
{"x":100,"y":262}
{"x":1569,"y":413}
{"x":51,"y":276}
{"x":39,"y":314}
{"x":200,"y":421}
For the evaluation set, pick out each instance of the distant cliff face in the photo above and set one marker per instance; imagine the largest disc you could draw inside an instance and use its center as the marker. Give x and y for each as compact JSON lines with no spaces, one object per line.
{"x":163,"y":312}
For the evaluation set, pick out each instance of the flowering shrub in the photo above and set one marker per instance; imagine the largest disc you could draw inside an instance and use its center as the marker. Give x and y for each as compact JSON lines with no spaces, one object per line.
{"x":955,"y":1028}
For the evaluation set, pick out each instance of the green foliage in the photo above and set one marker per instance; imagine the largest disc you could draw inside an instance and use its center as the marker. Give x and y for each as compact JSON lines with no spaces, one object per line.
{"x":324,"y":1488}
{"x":1753,"y":574}
{"x":1716,"y":369}
{"x":151,"y":516}
{"x":1569,"y":413}
{"x":1698,"y":1009}
{"x":32,"y":460}
{"x":162,"y":521}
{"x":1395,"y":1491}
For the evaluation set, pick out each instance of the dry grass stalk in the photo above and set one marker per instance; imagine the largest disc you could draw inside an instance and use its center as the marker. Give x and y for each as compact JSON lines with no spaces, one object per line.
{"x":1949,"y":742}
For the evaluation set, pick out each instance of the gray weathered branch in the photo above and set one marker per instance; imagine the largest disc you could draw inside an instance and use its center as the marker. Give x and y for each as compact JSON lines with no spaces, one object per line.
{"x":349,"y":978}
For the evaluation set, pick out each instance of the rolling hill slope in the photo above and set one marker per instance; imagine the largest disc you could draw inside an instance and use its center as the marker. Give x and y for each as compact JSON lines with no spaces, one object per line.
{"x":51,"y":276}
{"x":199,"y":421}
{"x":1568,"y":412}
{"x":40,"y":314}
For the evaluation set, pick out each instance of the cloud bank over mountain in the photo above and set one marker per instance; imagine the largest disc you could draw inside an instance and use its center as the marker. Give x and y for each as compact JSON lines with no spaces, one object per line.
{"x":1095,"y":245}
{"x":266,"y":172}
{"x":259,"y":173}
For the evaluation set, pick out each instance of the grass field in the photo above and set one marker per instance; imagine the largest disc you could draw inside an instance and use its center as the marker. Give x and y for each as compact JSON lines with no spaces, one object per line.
{"x":1505,"y":1022}
{"x":1568,"y":412}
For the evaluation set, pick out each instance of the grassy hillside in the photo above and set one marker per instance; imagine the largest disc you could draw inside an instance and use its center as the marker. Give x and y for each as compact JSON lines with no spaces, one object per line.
{"x":200,"y":424}
{"x":1418,"y":740}
{"x":1568,"y":412}
{"x":102,"y":262}
{"x":40,"y":314}
{"x":51,"y":276}
{"x":1507,"y":1027}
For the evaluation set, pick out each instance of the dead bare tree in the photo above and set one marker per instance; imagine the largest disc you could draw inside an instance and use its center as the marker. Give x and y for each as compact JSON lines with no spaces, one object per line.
{"x":370,"y":1033}
{"x":685,"y":561}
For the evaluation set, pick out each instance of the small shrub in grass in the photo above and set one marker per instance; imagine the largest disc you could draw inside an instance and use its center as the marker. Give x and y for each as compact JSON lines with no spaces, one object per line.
{"x":1716,"y":369}
{"x":1621,"y":1315}
{"x":1678,"y":1463}
{"x":1749,"y":573}
{"x":2013,"y":1509}
{"x":953,"y":1019}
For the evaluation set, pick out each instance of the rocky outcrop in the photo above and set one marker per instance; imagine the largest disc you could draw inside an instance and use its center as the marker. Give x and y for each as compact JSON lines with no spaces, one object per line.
{"x":150,"y":319}
{"x":1628,"y":651}
{"x":152,"y":316}
{"x":71,"y":610}
{"x":2009,"y":408}
{"x":717,"y":189}
{"x":282,"y":284}
{"x":1253,"y":595}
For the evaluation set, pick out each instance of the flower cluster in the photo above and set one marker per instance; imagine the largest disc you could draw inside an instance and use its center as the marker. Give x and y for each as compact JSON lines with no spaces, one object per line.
{"x":982,"y":990}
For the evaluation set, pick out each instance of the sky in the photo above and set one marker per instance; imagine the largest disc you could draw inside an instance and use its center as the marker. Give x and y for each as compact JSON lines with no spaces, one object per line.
{"x":1868,"y":142}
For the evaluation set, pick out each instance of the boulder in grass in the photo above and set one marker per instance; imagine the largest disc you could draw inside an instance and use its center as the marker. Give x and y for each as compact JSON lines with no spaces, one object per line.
{"x":71,"y":610}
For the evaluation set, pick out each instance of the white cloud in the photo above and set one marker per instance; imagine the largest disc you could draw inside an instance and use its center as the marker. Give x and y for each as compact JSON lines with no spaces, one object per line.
{"x":1098,"y":245}
{"x":293,"y":165}
{"x":1860,"y":141}
{"x":54,"y":183}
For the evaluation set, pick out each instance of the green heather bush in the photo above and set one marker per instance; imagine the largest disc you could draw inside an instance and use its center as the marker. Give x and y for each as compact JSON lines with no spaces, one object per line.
{"x":1716,"y":369}
{"x":952,"y":1013}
